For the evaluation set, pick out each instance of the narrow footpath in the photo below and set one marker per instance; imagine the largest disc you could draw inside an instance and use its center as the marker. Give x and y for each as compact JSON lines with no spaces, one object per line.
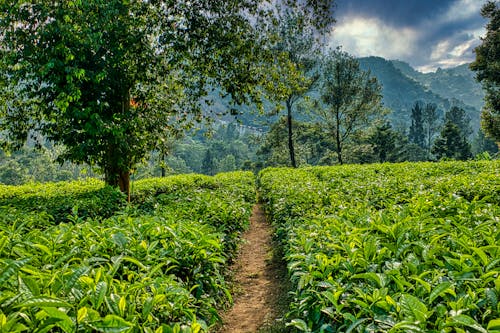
{"x":259,"y":277}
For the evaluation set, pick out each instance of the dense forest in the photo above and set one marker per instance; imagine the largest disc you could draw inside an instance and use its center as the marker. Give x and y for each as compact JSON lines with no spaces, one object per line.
{"x":251,"y":140}
{"x":165,"y":101}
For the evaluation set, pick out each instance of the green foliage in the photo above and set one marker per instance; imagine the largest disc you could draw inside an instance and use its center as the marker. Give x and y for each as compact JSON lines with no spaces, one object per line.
{"x":157,"y":266}
{"x":452,"y":143}
{"x":114,"y":80}
{"x":312,"y":146}
{"x":298,"y":48}
{"x":351,"y":97}
{"x":407,"y":247}
{"x":417,"y":135}
{"x":87,"y":198}
{"x":459,"y":117}
{"x":384,"y":142}
{"x":486,"y":65}
{"x":37,"y":165}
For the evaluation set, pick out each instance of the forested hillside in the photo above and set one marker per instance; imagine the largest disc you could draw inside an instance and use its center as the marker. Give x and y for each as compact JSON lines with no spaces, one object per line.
{"x":236,"y":139}
{"x":403,"y":85}
{"x":452,"y":83}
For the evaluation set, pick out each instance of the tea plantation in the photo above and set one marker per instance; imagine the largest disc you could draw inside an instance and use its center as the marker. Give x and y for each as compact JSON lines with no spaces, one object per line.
{"x":75,"y":258}
{"x":412,"y":247}
{"x":390,"y":248}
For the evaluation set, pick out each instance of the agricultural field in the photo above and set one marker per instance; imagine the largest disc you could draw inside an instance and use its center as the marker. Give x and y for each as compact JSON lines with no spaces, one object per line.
{"x":412,"y":247}
{"x":74,"y":257}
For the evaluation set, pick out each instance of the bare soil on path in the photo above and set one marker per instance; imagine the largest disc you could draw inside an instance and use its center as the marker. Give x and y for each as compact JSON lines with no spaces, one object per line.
{"x":259,"y":280}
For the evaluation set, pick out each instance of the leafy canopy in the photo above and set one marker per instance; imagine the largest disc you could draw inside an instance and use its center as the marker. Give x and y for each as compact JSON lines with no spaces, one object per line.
{"x":352,"y":98}
{"x":487,"y":66}
{"x":112,"y":80}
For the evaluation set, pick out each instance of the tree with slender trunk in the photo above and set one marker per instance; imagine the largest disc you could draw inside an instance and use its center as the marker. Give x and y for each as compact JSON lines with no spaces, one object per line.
{"x":430,"y":120}
{"x":298,"y":45}
{"x":459,"y":117}
{"x":351,"y":98}
{"x":417,"y":134}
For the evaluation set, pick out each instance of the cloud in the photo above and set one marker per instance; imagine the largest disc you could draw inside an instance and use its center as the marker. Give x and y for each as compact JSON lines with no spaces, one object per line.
{"x":369,"y":36}
{"x":426,"y":33}
{"x":393,"y":12}
{"x":463,"y":10}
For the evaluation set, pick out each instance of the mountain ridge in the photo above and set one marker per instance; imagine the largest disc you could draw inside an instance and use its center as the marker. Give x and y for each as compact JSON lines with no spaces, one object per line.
{"x":402,"y":86}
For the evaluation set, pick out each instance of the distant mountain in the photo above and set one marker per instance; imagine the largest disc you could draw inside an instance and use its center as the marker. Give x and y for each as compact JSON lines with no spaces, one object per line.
{"x":452,"y":83}
{"x":403,"y":86}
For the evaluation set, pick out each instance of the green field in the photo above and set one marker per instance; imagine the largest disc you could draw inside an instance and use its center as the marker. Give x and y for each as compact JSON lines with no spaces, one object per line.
{"x":412,"y":247}
{"x":390,"y":248}
{"x":157,"y":265}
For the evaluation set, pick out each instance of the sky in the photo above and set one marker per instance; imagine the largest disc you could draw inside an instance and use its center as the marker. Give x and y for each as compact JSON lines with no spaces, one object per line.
{"x":427,"y":34}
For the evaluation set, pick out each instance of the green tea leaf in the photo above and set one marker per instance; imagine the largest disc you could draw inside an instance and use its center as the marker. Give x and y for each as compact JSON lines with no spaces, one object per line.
{"x":494,"y":324}
{"x":299,"y":324}
{"x":464,"y":320}
{"x":377,"y":278}
{"x":440,"y":290}
{"x":413,"y":307}
{"x":44,"y":302}
{"x":11,"y":269}
{"x":111,"y":324}
{"x":356,"y":324}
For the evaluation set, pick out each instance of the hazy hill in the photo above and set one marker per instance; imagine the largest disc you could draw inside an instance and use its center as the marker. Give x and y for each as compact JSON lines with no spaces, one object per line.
{"x":403,"y":85}
{"x":457,"y":82}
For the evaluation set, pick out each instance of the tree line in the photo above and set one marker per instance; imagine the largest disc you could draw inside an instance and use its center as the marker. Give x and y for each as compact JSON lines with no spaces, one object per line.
{"x":112,"y":81}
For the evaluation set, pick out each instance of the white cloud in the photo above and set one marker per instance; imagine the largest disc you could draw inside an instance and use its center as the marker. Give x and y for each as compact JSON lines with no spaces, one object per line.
{"x":463,"y":49}
{"x":370,"y":36}
{"x":443,"y":63}
{"x":440,"y":50}
{"x":451,"y":52}
{"x":442,"y":39}
{"x":462,"y":10}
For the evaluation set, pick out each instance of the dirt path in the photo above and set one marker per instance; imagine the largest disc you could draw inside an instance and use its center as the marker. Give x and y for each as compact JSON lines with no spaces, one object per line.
{"x":259,"y":277}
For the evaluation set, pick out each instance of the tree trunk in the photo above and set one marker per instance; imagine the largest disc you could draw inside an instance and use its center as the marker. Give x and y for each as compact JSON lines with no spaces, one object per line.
{"x":124,"y":183}
{"x":163,"y":171}
{"x":338,"y":138}
{"x":120,"y":179}
{"x":291,"y":148}
{"x":114,"y":174}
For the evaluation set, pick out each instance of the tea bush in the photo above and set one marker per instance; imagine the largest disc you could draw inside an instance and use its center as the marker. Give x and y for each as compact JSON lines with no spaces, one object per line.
{"x":411,"y":247}
{"x":156,"y":266}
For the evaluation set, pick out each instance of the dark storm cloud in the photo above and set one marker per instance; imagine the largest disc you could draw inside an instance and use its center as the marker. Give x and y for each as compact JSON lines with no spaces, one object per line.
{"x":426,"y":33}
{"x":398,"y":12}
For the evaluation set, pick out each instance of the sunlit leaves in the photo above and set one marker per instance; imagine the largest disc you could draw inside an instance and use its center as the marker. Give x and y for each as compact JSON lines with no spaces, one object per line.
{"x":156,"y":266}
{"x":389,"y":248}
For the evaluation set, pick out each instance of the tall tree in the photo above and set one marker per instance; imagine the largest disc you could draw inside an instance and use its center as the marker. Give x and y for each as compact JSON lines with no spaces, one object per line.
{"x":459,"y":117}
{"x":383,"y":140}
{"x":451,"y":143}
{"x":351,"y":97}
{"x":482,"y":144}
{"x":111,"y":79}
{"x":298,"y":45}
{"x":208,"y":165}
{"x":417,"y":134}
{"x":430,"y":120}
{"x":487,"y":66}
{"x":311,"y":144}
